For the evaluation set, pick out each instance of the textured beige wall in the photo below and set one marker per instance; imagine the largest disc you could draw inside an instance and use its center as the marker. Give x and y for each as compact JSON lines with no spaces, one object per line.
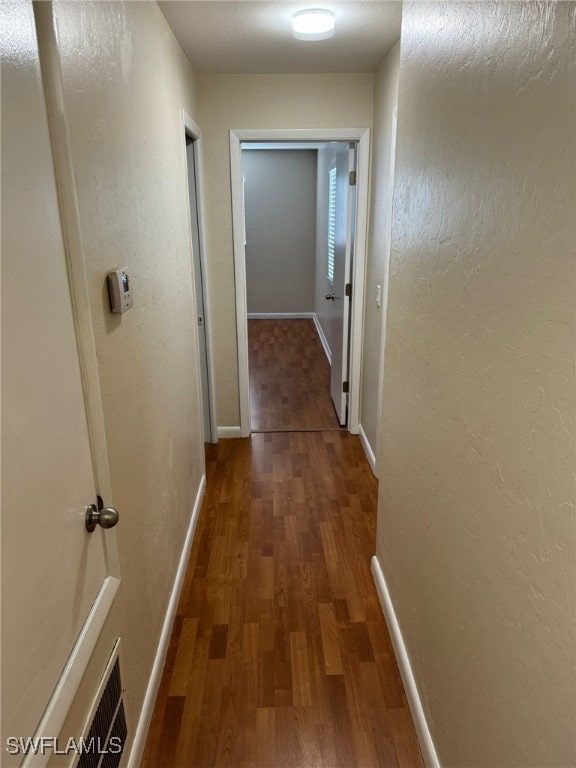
{"x":476,"y":527}
{"x":125,"y":81}
{"x":255,"y":102}
{"x":385,"y":99}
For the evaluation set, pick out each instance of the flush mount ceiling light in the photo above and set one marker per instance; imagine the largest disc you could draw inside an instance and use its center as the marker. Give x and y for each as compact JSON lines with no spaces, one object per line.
{"x":313,"y":24}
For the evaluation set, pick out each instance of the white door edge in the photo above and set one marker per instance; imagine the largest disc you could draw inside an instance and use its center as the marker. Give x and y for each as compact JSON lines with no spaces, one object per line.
{"x":362,"y":136}
{"x":192,"y":129}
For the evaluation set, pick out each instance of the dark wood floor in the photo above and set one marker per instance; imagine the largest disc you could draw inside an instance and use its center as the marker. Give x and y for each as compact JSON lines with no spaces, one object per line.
{"x":280,"y":656}
{"x":289,"y":377}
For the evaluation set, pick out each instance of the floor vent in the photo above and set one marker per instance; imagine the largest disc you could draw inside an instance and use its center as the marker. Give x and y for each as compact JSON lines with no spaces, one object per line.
{"x":106,"y":736}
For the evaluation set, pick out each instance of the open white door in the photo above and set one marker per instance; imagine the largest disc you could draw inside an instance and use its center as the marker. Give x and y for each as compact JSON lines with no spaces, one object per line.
{"x":342,"y":219}
{"x":57,"y":585}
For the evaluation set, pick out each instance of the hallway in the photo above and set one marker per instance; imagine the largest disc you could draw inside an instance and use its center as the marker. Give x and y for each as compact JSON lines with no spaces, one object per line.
{"x":279,"y":654}
{"x":268,"y":562}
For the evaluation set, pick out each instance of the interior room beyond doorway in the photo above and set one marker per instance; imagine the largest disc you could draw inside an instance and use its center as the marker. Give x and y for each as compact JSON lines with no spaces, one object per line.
{"x":289,"y":377}
{"x":293,"y":228}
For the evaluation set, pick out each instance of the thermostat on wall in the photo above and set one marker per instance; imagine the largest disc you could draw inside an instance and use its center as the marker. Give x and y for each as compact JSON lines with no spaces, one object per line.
{"x":119,"y":291}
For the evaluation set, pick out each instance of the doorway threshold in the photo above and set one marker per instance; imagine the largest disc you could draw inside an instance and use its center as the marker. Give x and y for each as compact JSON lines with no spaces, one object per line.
{"x":296,"y":429}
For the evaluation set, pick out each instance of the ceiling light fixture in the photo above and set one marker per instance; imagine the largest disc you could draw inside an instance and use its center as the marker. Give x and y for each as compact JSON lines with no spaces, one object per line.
{"x":313,"y":24}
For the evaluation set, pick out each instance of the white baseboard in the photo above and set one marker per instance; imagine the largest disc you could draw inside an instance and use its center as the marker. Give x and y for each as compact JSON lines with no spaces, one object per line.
{"x":420,"y":723}
{"x":367,"y":449}
{"x":280,"y":315}
{"x":157,"y":668}
{"x":323,"y":338}
{"x":229,"y":432}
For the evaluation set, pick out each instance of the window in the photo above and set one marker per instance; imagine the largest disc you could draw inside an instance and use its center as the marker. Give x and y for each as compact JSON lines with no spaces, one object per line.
{"x":331,"y":223}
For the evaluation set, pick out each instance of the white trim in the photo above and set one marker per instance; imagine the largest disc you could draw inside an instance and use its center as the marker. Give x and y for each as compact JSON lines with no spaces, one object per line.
{"x":190,"y":128}
{"x":322,"y":337}
{"x":322,"y":135}
{"x":384,"y":309}
{"x":159,"y":660}
{"x":283,"y":145}
{"x":362,"y":136}
{"x":69,"y":681}
{"x":367,"y":449}
{"x":410,"y":688}
{"x":230,"y":432}
{"x":237,"y":183}
{"x":280,"y":315}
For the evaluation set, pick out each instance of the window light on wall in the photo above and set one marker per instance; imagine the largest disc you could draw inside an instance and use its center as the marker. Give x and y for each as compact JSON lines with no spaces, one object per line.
{"x":331,"y":223}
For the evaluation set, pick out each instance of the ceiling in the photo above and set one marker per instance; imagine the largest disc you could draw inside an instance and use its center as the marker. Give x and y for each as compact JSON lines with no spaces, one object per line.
{"x":255,"y":36}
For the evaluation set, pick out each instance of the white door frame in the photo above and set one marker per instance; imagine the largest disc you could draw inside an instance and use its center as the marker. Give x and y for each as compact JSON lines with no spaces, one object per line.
{"x":362,"y":136}
{"x":190,"y":128}
{"x":387,"y":252}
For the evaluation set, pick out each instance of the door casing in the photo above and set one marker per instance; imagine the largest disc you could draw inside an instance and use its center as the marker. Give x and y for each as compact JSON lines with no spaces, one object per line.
{"x":191,"y":129}
{"x":360,"y":135}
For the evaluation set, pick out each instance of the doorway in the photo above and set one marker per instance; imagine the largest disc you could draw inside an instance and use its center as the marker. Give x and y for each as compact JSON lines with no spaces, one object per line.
{"x":200,"y":280}
{"x":351,"y":252}
{"x":286,"y":265}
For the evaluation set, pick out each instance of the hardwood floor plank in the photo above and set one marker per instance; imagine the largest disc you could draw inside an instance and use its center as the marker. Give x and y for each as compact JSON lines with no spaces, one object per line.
{"x":184,"y":658}
{"x":400,"y":728}
{"x":365,"y":749}
{"x":330,"y":641}
{"x":345,"y":746}
{"x":266,"y":688}
{"x":385,"y":750}
{"x":231,"y":740}
{"x":171,"y":727}
{"x":157,"y":726}
{"x":353,"y":597}
{"x":218,"y":640}
{"x":300,"y":673}
{"x":191,"y":716}
{"x":265,"y":735}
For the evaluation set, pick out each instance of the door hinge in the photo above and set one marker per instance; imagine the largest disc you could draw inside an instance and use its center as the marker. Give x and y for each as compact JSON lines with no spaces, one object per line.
{"x":348,"y":290}
{"x":345,"y":387}
{"x":352,"y":178}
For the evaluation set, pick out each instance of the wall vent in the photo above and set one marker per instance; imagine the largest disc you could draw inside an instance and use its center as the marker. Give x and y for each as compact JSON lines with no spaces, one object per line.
{"x":105,"y":737}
